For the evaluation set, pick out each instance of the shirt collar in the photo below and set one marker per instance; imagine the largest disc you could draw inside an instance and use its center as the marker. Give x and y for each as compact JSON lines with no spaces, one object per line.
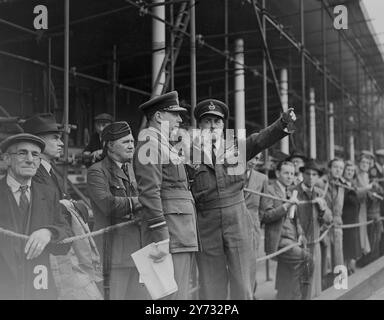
{"x":119,"y":164}
{"x":306,"y":189}
{"x":46,"y":165}
{"x":15,"y":185}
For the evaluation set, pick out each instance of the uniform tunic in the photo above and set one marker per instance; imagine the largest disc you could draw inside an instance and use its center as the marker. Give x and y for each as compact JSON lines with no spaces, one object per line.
{"x":225,"y":224}
{"x":168,"y":206}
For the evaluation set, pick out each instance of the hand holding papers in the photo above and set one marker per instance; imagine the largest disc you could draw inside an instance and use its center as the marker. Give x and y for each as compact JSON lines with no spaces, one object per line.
{"x":158,"y":277}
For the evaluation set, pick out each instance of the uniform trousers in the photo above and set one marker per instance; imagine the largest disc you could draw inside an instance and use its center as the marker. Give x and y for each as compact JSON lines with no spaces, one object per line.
{"x":226,"y":263}
{"x":182,"y":263}
{"x":125,"y":285}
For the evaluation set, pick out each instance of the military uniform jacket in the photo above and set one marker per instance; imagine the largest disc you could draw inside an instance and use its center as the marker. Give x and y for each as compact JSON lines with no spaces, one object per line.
{"x":114,"y":197}
{"x":213,"y":187}
{"x":168,"y":205}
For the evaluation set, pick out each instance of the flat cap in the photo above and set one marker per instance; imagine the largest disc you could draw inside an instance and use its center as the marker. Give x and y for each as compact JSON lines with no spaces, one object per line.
{"x":41,"y":123}
{"x":380,"y":153}
{"x":313,"y":165}
{"x":213,"y":107}
{"x":104,"y":117}
{"x":166,"y":102}
{"x":22,"y":137}
{"x":115,"y":131}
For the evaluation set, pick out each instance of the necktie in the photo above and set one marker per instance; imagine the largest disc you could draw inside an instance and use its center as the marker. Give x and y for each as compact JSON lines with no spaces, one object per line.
{"x":24,"y":202}
{"x":213,"y":153}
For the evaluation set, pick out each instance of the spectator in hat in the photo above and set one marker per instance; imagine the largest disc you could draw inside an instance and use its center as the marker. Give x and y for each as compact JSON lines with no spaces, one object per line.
{"x":351,"y":236}
{"x":33,"y":209}
{"x":113,"y":190}
{"x":298,"y":159}
{"x":312,"y":217}
{"x":374,"y":199}
{"x":225,"y":225}
{"x":364,"y":186}
{"x":92,"y":152}
{"x":83,"y":259}
{"x":44,"y":125}
{"x":169,"y":215}
{"x":332,"y":246}
{"x":380,"y":167}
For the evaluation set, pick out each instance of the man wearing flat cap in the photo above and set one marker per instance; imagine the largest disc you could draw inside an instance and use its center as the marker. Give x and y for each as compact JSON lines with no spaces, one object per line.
{"x":31,"y":209}
{"x":113,"y":191}
{"x":224,"y":223}
{"x":92,"y":152}
{"x":169,"y":216}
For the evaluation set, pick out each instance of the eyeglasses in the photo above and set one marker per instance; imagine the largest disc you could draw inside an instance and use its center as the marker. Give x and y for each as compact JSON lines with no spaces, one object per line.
{"x":23,"y":155}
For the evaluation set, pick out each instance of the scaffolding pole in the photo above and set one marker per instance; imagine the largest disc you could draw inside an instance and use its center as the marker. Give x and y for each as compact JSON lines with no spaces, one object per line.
{"x":284,"y":103}
{"x":303,"y":78}
{"x":312,"y":124}
{"x":239,"y":85}
{"x":192,"y":26}
{"x":66,"y":92}
{"x":49,"y":75}
{"x":331,"y":143}
{"x":226,"y":48}
{"x":114,"y":81}
{"x":325,"y":82}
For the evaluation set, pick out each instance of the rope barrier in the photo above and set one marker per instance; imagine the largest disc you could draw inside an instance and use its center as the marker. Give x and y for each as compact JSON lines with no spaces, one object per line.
{"x":71,"y":239}
{"x":266,"y":195}
{"x":266,"y":257}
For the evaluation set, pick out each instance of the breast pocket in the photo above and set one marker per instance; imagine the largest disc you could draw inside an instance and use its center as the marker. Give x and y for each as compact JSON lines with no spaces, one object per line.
{"x":201,"y":181}
{"x":117,"y":190}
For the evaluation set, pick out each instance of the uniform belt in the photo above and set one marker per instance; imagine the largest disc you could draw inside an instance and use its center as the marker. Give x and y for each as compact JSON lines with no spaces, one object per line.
{"x":221,"y":202}
{"x":176,"y":194}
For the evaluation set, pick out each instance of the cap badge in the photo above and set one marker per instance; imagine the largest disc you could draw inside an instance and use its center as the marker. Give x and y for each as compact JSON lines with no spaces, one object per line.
{"x":211,"y":106}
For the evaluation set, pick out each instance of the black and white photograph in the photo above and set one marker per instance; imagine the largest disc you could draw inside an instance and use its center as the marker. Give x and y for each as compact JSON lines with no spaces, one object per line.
{"x":208,"y":152}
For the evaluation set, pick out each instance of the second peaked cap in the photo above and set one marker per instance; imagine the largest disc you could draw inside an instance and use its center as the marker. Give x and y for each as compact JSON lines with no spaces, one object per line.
{"x":212,"y":107}
{"x":166,"y":102}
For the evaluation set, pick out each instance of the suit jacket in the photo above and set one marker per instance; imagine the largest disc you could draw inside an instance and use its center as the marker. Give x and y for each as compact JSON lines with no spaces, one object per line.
{"x":45,"y":212}
{"x":168,"y":206}
{"x":113,"y":197}
{"x":256,"y":181}
{"x":274,"y":216}
{"x":42,"y":176}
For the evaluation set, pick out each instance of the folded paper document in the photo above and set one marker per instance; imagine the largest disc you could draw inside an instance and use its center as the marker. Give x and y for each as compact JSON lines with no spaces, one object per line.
{"x":158,"y":277}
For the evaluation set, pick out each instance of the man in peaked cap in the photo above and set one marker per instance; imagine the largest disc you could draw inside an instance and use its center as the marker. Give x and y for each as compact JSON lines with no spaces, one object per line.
{"x":169,"y":216}
{"x":113,"y":191}
{"x":94,"y":148}
{"x":32,"y":209}
{"x":225,"y":225}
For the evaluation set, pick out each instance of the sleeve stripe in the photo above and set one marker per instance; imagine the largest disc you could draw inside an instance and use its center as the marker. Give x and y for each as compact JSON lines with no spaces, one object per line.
{"x":157,"y":225}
